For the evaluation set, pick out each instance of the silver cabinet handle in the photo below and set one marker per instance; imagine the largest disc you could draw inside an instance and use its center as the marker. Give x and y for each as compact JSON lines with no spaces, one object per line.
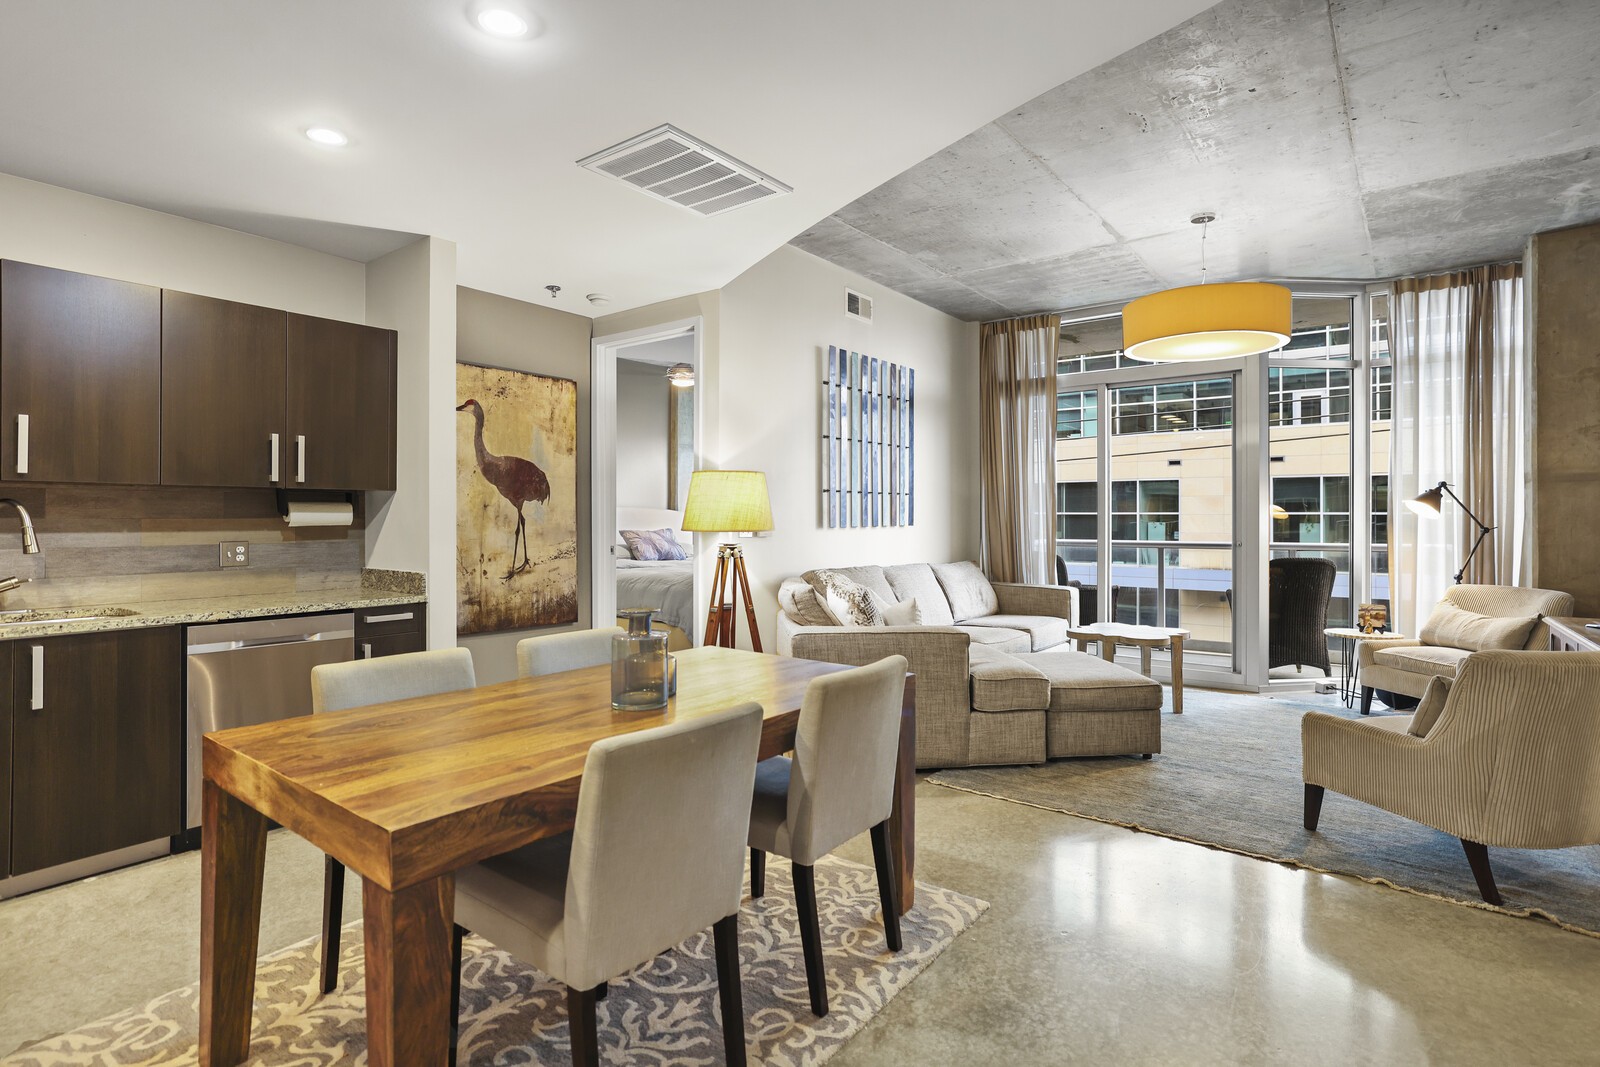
{"x":36,"y":700}
{"x":399,"y":616}
{"x":22,"y":444}
{"x":274,"y":475}
{"x":366,"y":650}
{"x":300,"y":461}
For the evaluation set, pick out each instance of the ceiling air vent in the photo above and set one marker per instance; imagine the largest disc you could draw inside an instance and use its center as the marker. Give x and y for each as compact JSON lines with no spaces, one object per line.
{"x":670,"y":165}
{"x":857,"y":305}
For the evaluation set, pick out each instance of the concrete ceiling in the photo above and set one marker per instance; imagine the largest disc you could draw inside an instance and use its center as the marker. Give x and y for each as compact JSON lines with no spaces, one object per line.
{"x":1352,"y":139}
{"x":198,"y":108}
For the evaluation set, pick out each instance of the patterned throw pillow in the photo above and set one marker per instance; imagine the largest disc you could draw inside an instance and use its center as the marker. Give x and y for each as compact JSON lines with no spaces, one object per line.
{"x":848,"y":601}
{"x":653,"y":544}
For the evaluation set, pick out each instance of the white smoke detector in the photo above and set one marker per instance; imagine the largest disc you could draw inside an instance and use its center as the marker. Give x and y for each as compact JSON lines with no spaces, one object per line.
{"x":670,"y":165}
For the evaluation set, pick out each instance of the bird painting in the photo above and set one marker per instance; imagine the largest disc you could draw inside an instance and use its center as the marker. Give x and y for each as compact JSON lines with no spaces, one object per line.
{"x":518,"y":480}
{"x":520,"y":448}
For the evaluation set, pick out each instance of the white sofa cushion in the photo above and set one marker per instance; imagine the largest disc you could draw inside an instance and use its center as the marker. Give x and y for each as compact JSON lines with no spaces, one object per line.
{"x":969,"y":592}
{"x":1005,"y":683}
{"x":1044,"y":631}
{"x":1452,"y":627}
{"x":1000,"y":638}
{"x":1422,"y":659}
{"x":916,"y":581}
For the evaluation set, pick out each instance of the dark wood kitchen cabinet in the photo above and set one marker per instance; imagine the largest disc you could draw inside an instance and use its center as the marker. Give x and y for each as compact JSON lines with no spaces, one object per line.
{"x":341,"y":398}
{"x":223,"y":388}
{"x":5,"y":764}
{"x":391,"y":630}
{"x":97,"y":744}
{"x":80,"y":378}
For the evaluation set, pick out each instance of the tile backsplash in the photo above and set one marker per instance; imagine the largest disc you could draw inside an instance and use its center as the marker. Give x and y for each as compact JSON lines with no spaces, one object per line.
{"x":106,"y":545}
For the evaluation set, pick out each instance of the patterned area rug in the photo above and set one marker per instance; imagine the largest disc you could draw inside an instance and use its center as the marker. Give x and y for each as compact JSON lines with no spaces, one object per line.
{"x":665,"y":1012}
{"x":1228,"y":777}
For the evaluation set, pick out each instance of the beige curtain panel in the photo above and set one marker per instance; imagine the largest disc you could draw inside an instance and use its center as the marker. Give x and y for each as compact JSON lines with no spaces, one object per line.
{"x":1462,"y":379}
{"x":1016,"y":427}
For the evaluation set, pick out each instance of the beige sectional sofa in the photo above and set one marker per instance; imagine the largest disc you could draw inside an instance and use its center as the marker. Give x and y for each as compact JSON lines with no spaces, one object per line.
{"x":996,"y":680}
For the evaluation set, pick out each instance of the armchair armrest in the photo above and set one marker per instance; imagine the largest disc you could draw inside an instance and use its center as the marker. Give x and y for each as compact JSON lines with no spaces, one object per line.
{"x":1057,"y":601}
{"x":1365,"y":650}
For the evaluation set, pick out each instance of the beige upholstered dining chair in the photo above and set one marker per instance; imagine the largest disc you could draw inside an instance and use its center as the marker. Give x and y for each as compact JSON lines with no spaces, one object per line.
{"x":339,"y":686}
{"x":839,"y":784}
{"x":656,"y":855}
{"x":571,"y":651}
{"x":1511,"y":757}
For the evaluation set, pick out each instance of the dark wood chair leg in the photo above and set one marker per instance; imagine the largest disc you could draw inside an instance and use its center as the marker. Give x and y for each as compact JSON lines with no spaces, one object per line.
{"x":1366,"y":700}
{"x":602,"y":990}
{"x":585,"y":1029}
{"x":456,"y":934}
{"x":888,"y":888}
{"x":332,"y":919}
{"x":1313,"y":805}
{"x":805,"y":898}
{"x":758,"y":874}
{"x":1478,"y":857}
{"x":725,"y":934}
{"x":1148,"y":755}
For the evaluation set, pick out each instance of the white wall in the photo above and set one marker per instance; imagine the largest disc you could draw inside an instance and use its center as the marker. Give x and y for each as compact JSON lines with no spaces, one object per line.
{"x":57,"y":227}
{"x":642,"y":409}
{"x":777,"y":321}
{"x":413,"y":290}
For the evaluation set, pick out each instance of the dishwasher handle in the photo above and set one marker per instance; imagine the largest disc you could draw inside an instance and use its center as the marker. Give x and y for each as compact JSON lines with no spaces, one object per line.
{"x":268,"y":642}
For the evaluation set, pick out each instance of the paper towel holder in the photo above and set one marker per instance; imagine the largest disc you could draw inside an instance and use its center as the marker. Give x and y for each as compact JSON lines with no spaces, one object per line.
{"x":314,"y":496}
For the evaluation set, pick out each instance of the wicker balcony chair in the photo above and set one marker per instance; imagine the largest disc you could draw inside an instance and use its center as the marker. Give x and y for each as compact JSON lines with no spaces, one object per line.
{"x":1298,"y":590}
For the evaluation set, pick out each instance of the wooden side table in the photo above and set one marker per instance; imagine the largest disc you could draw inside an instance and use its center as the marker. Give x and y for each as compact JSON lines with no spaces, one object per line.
{"x":1573,"y":635}
{"x":1350,"y":668}
{"x":1145,"y":638}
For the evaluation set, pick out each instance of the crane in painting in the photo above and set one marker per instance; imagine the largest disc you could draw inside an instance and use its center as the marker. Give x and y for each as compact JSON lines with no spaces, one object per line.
{"x":517,"y":479}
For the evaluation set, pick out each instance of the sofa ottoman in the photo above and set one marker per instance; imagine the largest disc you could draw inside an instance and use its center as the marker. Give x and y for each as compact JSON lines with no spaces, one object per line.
{"x":1009,"y":699}
{"x":1097,"y":708}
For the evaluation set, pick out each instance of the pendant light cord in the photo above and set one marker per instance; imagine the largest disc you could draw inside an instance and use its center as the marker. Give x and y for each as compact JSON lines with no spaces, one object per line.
{"x":1203,"y":227}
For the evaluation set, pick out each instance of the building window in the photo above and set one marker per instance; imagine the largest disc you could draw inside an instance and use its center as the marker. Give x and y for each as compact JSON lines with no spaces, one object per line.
{"x":1307,"y":396}
{"x":1382,"y":393}
{"x":1077,"y":414}
{"x":1077,"y":510}
{"x":1173,"y":407}
{"x":1318,"y":508}
{"x":1380,"y":526}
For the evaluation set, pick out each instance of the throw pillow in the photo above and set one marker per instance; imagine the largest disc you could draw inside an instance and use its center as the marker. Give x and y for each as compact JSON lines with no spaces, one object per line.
{"x":969,"y":592}
{"x":800,"y":602}
{"x":1432,"y":705}
{"x":1453,"y":627}
{"x":905,"y":613}
{"x":653,"y":544}
{"x":850,"y":602}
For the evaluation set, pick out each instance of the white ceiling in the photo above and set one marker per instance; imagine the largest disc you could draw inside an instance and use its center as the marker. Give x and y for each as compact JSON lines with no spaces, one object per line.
{"x":197,"y":107}
{"x":1352,"y":139}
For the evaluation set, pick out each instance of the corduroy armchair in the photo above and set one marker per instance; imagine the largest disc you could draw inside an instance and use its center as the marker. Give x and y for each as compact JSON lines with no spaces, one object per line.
{"x":1513,"y":760}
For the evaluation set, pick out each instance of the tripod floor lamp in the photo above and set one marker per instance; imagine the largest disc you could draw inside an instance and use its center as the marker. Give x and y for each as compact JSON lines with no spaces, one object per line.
{"x":728,"y":502}
{"x":1428,"y":504}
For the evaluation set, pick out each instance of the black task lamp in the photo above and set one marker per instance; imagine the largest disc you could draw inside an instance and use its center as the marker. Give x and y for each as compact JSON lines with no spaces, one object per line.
{"x":1428,"y":505}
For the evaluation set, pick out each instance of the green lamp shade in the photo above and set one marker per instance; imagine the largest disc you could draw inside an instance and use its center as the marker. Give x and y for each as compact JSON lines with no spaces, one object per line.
{"x":727,"y":502}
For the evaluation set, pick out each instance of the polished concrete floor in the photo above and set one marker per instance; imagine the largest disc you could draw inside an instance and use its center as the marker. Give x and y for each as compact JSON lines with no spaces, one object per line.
{"x":1101,"y":946}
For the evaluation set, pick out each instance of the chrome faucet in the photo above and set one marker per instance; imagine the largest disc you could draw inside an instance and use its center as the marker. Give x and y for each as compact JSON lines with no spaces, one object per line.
{"x":30,"y":543}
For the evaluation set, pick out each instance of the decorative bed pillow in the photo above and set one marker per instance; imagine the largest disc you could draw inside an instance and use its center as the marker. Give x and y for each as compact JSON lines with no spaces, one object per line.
{"x":850,"y":602}
{"x":1431,"y":705}
{"x":1452,"y":627}
{"x":653,"y":544}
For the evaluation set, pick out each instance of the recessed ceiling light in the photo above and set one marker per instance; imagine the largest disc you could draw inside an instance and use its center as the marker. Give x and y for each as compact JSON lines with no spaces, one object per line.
{"x":325,"y":135}
{"x":501,"y":22}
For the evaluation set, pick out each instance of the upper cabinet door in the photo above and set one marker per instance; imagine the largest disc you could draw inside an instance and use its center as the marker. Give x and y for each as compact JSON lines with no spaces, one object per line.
{"x":341,"y":405}
{"x":80,"y":378}
{"x":223,"y":412}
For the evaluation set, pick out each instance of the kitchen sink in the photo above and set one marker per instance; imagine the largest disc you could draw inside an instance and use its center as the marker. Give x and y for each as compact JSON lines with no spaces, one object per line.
{"x":21,"y":616}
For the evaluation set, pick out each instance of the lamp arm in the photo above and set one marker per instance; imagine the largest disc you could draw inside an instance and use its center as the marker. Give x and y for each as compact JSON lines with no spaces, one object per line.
{"x":1483,"y":531}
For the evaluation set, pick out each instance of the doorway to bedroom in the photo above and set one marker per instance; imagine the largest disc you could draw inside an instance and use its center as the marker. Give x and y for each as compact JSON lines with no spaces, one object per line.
{"x":645,"y":445}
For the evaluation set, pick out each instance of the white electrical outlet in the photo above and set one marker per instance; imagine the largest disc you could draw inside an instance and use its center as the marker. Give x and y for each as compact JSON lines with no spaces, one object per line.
{"x":236,"y":553}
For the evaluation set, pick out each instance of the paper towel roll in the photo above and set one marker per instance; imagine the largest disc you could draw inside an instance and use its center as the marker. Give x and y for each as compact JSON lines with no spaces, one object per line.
{"x":318,"y":513}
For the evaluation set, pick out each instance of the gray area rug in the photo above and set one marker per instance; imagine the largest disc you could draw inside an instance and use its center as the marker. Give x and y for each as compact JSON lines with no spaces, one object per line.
{"x":1228,"y":776}
{"x":664,"y":1012}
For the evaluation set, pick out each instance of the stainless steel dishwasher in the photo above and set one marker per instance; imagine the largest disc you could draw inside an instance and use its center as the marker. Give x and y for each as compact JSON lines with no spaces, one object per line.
{"x":242,"y":673}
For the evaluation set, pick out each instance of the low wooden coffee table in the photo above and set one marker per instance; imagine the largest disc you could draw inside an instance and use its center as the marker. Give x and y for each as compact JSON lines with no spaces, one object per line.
{"x":1112,"y":634}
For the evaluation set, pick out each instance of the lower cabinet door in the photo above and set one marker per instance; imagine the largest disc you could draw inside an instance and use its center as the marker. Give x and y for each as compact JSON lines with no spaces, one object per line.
{"x":97,"y":744}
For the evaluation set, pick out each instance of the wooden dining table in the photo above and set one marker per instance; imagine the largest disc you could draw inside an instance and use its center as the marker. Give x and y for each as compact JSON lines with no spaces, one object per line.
{"x":407,"y":793}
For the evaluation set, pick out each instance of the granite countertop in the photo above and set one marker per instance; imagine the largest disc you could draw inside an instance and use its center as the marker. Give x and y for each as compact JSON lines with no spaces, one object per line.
{"x":371,"y":590}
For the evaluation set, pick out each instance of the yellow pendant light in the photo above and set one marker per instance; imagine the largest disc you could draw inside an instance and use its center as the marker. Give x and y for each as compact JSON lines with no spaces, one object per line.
{"x":1206,"y":321}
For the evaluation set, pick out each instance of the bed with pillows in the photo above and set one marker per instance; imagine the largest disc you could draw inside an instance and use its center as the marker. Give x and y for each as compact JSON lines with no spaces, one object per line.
{"x":655,"y":568}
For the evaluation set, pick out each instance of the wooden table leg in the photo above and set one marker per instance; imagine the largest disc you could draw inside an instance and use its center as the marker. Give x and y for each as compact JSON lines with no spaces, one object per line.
{"x":1177,"y":675}
{"x":903,"y":816}
{"x":1108,"y":648}
{"x":233,"y":853}
{"x":408,"y":971}
{"x":1144,"y":660}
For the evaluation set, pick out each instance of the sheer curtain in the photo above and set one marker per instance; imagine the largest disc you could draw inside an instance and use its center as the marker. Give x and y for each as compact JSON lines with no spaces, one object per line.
{"x":1462,"y":414}
{"x":1016,"y":431}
